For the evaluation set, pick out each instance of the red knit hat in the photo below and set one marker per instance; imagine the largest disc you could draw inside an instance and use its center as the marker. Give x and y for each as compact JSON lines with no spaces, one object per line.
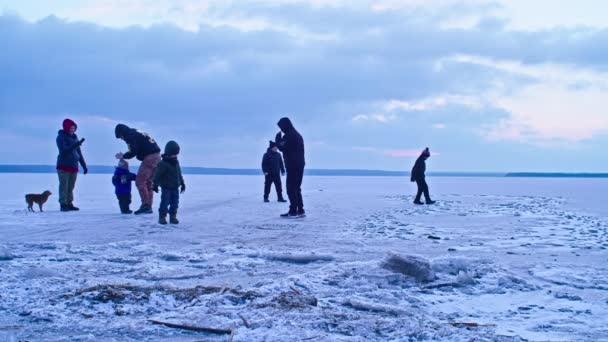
{"x":67,"y":123}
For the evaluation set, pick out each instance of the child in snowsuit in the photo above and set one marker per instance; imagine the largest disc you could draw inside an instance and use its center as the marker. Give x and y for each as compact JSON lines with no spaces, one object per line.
{"x":122,"y":183}
{"x":418,"y":176}
{"x":168,"y":177}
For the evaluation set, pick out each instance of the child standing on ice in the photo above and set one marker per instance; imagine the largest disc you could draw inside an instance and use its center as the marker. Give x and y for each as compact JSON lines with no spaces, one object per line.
{"x":122,"y":183}
{"x":168,"y":177}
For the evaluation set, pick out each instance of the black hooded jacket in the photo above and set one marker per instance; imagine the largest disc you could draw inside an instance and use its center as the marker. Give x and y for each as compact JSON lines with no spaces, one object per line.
{"x":291,"y":144}
{"x":272,"y":163}
{"x":419,"y":169}
{"x":140,"y":144}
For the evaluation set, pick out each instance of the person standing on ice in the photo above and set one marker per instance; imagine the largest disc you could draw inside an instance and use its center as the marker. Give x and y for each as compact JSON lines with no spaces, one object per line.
{"x":68,"y":159}
{"x":168,"y":177}
{"x":147,"y":151}
{"x":291,"y":143}
{"x":122,"y":183}
{"x":273,"y":168}
{"x":418,"y":176}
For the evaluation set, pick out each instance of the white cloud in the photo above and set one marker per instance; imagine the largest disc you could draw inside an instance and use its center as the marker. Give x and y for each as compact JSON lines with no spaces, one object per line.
{"x":562,"y":104}
{"x":383,"y":118}
{"x":432,"y":103}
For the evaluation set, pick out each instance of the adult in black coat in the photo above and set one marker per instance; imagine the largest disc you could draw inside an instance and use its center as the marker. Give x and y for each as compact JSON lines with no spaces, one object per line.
{"x":418,"y":176}
{"x":291,"y":143}
{"x":273,"y":168}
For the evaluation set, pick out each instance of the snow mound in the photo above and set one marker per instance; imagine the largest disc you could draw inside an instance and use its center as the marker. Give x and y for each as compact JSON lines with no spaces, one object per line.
{"x":295,"y":258}
{"x":364,"y":305}
{"x":5,"y":254}
{"x":410,"y":265}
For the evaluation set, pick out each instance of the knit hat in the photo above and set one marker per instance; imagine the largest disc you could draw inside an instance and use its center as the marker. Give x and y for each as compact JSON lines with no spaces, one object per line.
{"x":172,"y":148}
{"x":67,"y":124}
{"x":123,"y":164}
{"x":426,"y":152}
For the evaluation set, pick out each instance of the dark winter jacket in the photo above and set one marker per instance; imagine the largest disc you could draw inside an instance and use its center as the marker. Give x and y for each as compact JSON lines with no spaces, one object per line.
{"x":168,"y":174}
{"x":272,"y":163}
{"x":419,"y":169}
{"x":140,"y":144}
{"x":291,"y":144}
{"x":70,"y":154}
{"x":122,"y":181}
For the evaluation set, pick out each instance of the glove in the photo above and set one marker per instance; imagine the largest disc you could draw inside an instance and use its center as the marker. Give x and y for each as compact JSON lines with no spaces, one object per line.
{"x":119,"y":155}
{"x":183,"y":188}
{"x":155,"y":189}
{"x":85,"y":169}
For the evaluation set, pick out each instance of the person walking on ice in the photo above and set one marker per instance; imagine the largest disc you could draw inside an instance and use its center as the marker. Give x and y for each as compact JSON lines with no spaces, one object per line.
{"x":147,"y":151}
{"x":273,"y":168}
{"x":291,"y":143}
{"x":168,"y":177}
{"x":418,"y":176}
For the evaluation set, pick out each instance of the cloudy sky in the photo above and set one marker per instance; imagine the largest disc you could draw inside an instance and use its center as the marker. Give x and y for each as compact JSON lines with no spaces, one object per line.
{"x":501,"y":85}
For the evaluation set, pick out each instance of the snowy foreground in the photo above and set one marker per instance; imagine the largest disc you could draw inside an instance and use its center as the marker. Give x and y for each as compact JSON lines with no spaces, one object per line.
{"x":524,"y":258}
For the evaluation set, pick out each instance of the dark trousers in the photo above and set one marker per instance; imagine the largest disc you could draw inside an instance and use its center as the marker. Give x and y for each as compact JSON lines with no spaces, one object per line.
{"x":423,"y":188}
{"x":295,"y":176}
{"x":276,"y":179}
{"x":124,"y":201}
{"x":169,"y":201}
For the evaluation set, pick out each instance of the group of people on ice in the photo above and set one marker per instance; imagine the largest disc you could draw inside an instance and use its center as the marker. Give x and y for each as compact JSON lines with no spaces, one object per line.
{"x":156,"y":172}
{"x":162,"y":172}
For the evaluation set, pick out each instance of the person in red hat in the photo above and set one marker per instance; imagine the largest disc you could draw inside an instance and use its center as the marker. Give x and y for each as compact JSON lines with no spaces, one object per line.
{"x":418,"y":176}
{"x":70,"y":155}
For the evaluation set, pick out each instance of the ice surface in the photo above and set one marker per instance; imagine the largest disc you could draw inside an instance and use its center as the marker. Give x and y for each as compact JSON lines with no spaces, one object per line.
{"x":526,"y":256}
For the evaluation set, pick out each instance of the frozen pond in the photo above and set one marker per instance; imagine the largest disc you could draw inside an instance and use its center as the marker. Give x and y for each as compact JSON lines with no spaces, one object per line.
{"x":525,"y":258}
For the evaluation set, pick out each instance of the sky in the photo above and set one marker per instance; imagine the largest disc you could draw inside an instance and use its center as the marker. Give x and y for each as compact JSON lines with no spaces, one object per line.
{"x":493,"y":86}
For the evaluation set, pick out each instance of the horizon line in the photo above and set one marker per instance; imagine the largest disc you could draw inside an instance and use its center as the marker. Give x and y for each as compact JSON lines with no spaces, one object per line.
{"x":202,"y":170}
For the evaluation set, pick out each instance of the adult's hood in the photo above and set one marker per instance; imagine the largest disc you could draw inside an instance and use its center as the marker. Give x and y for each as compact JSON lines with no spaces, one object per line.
{"x":67,"y":123}
{"x":426,"y":153}
{"x":121,"y":130}
{"x":285,"y":125}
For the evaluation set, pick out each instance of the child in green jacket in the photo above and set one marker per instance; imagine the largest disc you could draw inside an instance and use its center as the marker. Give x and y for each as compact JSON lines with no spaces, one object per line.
{"x":169,"y":178}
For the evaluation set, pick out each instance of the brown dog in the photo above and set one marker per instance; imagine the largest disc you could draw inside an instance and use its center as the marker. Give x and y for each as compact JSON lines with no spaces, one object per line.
{"x":35,"y":198}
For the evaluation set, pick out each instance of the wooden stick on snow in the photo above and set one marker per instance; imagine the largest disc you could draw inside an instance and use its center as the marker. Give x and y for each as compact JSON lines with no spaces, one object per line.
{"x":192,"y":328}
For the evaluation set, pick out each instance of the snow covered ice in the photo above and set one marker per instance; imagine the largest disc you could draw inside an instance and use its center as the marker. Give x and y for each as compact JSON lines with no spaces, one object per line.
{"x":524,"y":258}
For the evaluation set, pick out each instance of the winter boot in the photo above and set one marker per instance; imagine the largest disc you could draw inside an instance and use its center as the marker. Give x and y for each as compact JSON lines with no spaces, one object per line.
{"x":173,"y":219}
{"x":266,"y":200}
{"x":301,"y":212}
{"x":418,"y":202}
{"x":71,"y":207}
{"x":162,"y":219}
{"x":429,"y":202}
{"x":64,"y":208}
{"x":143,"y":210}
{"x":282,"y":200}
{"x":290,"y":214}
